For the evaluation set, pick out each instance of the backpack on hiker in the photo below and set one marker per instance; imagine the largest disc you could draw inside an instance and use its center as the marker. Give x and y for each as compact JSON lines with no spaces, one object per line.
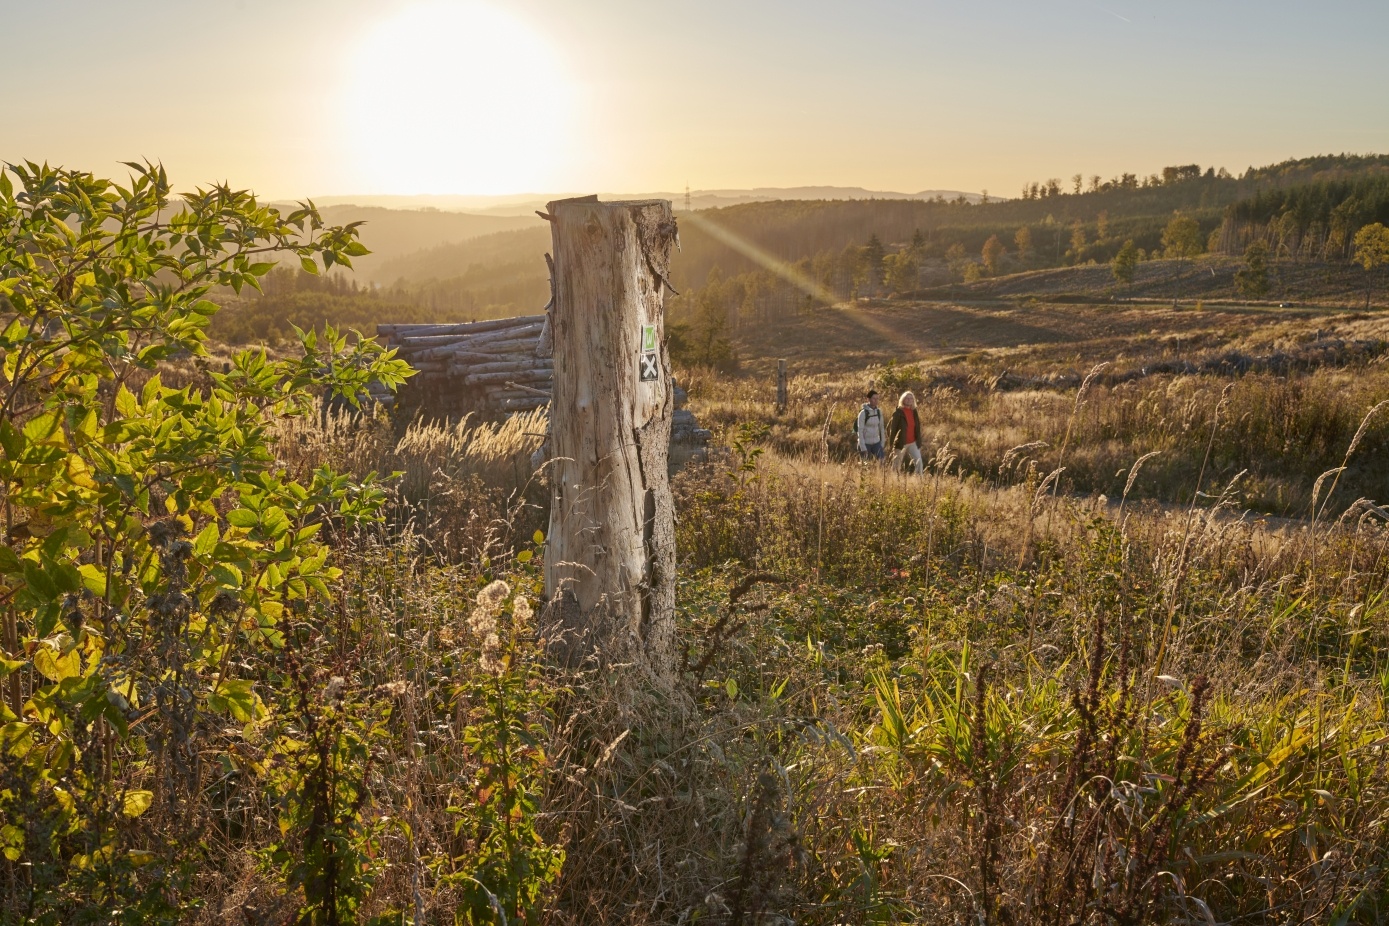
{"x":877,"y":412}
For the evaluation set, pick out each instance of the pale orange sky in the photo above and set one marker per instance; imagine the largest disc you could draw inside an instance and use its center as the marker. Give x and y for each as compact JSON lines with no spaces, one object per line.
{"x":310,"y":97}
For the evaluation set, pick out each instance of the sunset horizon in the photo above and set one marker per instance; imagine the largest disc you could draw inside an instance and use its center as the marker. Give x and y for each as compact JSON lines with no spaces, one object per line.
{"x":466,"y":97}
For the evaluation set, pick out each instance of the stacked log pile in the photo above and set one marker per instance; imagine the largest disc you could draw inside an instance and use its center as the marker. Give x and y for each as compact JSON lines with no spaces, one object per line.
{"x":490,"y":369}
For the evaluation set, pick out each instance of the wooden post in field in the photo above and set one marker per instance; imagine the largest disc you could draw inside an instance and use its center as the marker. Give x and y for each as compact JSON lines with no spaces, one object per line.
{"x":780,"y":386}
{"x":610,"y":555}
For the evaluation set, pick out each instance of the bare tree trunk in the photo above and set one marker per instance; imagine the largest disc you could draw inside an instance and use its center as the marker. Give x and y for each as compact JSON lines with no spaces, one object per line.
{"x":610,"y":557}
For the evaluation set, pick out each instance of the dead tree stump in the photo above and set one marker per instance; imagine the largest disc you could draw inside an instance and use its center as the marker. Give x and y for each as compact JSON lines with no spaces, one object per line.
{"x":610,"y":555}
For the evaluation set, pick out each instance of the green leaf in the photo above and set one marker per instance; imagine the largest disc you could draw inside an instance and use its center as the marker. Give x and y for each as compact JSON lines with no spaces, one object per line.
{"x":236,"y":697}
{"x":538,"y":536}
{"x":65,"y":577}
{"x":228,"y":575}
{"x":137,"y":802}
{"x":241,"y":517}
{"x":153,"y":391}
{"x":86,"y":428}
{"x":274,"y":521}
{"x":207,"y":538}
{"x":524,"y":556}
{"x":127,"y":406}
{"x":38,"y":581}
{"x":93,"y":579}
{"x":46,"y":430}
{"x":46,"y":618}
{"x":308,"y":265}
{"x":11,"y":440}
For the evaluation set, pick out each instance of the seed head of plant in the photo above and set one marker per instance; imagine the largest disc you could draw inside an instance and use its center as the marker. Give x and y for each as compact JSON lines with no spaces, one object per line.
{"x":1133,"y":472}
{"x":1364,"y":426}
{"x":491,"y":658}
{"x":1089,"y":378}
{"x":483,"y":620}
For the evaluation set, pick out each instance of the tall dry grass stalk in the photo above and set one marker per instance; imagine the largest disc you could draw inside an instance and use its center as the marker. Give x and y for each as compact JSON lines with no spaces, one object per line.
{"x":464,"y":488}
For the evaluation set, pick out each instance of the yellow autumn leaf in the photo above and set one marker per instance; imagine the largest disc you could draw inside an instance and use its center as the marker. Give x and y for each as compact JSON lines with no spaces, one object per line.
{"x":56,"y":666}
{"x":137,"y":802}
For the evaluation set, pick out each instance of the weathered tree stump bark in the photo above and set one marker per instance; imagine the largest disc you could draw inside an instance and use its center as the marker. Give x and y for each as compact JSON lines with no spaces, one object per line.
{"x":610,"y":557}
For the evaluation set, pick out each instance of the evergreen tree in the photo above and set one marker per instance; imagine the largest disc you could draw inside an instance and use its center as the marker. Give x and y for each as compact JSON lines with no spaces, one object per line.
{"x":1252,"y":278}
{"x":873,"y":255}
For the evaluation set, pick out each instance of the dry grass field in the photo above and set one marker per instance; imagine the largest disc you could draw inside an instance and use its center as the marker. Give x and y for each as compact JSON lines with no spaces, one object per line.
{"x":1264,"y":396}
{"x":850,"y":337}
{"x":937,"y":699}
{"x":984,"y":694}
{"x":1116,"y":657}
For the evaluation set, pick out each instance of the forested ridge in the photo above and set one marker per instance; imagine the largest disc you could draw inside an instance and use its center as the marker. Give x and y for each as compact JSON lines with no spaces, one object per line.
{"x":760,"y":261}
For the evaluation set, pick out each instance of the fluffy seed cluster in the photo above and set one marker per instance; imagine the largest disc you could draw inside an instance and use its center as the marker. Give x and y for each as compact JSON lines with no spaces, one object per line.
{"x":483,"y":620}
{"x":491,"y":659}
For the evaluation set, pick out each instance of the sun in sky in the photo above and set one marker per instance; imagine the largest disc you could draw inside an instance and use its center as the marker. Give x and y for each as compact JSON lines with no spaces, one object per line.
{"x":453,"y":95}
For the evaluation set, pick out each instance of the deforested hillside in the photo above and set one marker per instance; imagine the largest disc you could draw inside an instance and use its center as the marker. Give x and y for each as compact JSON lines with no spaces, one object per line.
{"x":1213,"y":278}
{"x":766,"y":262}
{"x":781,"y":256}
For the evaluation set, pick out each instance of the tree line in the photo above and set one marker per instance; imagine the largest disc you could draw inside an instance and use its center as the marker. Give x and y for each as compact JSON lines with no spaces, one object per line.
{"x":832,"y":250}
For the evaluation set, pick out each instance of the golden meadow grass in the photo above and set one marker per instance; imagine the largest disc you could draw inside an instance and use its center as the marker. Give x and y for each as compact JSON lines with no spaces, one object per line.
{"x":979,"y":695}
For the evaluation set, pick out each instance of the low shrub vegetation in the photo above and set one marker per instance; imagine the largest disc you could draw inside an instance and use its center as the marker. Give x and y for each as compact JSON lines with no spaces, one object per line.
{"x":267,"y":663}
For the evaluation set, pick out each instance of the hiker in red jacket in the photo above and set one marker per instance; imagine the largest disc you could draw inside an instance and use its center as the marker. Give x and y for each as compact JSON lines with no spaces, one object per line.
{"x":904,"y":434}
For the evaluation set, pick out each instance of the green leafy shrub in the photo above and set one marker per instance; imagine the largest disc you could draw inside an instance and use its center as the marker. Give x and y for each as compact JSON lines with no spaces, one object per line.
{"x":152,"y":550}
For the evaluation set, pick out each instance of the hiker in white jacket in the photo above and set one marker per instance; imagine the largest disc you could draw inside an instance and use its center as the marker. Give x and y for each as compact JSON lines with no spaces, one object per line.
{"x":869,"y":428}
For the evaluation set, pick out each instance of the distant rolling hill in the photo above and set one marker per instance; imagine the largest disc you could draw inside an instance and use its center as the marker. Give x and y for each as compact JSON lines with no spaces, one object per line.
{"x":525,"y":204}
{"x":393,"y":233}
{"x":465,"y":264}
{"x":788,"y":229}
{"x":418,"y":238}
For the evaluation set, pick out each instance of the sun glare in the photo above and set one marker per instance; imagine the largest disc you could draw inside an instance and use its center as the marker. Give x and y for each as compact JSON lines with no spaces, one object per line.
{"x":455,"y":97}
